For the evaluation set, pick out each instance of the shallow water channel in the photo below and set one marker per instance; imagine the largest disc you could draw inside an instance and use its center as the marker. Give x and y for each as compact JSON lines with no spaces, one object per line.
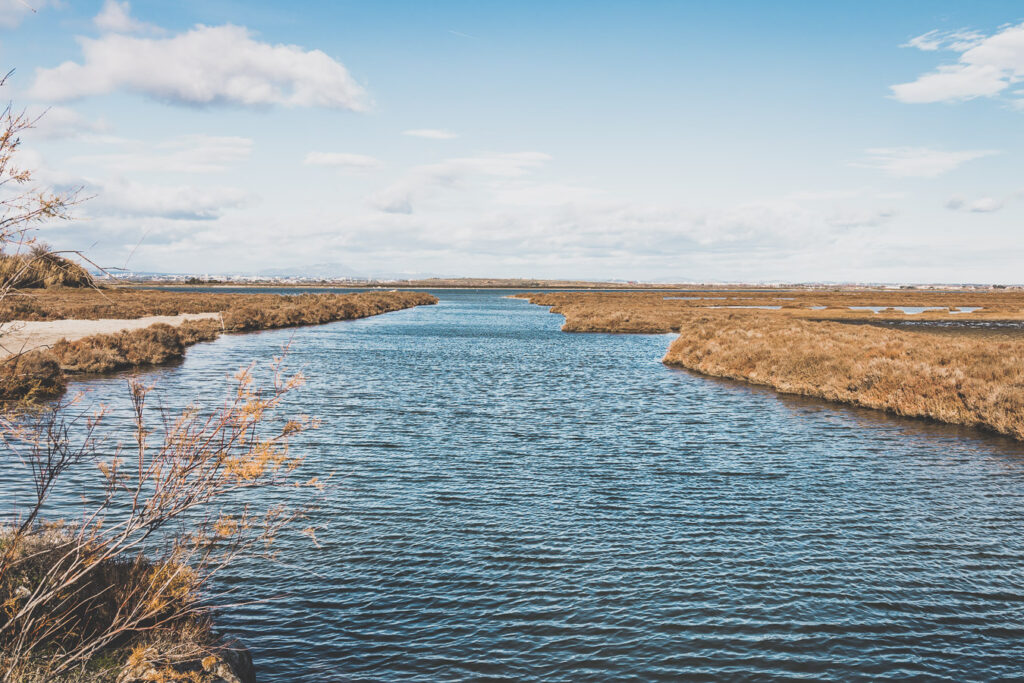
{"x":516,"y":503}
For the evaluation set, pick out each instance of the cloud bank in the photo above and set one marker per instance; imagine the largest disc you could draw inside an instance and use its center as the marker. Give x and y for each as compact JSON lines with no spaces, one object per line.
{"x":115,"y":17}
{"x":205,"y":66}
{"x":183,"y":154}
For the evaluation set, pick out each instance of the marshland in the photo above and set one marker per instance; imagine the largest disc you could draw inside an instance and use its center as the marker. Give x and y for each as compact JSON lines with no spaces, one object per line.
{"x":575,"y":341}
{"x":539,"y":498}
{"x":954,"y":357}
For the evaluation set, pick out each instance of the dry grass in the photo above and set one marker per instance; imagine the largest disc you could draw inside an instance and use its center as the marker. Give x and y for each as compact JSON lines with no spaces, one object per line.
{"x":154,"y":345}
{"x":41,"y":268}
{"x":657,"y":312}
{"x":39,"y":375}
{"x":955,"y":378}
{"x":31,"y":377}
{"x":959,"y":380}
{"x":247,"y":311}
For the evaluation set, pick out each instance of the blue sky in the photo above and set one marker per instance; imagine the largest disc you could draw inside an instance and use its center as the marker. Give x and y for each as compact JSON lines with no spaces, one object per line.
{"x":793,"y":141}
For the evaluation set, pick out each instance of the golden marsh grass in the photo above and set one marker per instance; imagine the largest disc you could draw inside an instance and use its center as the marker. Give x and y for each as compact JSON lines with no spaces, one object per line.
{"x":964,"y":379}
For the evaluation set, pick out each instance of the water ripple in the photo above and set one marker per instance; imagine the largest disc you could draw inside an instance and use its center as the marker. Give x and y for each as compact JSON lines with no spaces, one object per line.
{"x":514,"y":503}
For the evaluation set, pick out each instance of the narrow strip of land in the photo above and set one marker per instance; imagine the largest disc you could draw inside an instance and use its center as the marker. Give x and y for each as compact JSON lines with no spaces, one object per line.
{"x":68,"y":331}
{"x":807,"y":344}
{"x":31,"y":335}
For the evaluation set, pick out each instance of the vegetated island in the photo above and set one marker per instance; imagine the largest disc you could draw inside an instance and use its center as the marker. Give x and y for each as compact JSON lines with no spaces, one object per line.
{"x":41,"y":373}
{"x":955,"y":357}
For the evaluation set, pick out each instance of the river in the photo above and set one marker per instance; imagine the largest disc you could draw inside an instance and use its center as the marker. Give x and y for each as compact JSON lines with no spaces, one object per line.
{"x":511,"y":502}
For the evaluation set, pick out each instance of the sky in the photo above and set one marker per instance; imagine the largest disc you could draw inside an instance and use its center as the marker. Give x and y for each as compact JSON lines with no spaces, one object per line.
{"x":729,"y":141}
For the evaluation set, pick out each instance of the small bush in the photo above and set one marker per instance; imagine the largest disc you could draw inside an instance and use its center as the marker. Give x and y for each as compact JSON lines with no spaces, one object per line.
{"x":32,"y":376}
{"x":153,"y":345}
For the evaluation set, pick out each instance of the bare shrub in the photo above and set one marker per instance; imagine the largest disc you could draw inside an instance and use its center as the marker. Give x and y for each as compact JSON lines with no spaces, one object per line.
{"x":125,"y":577}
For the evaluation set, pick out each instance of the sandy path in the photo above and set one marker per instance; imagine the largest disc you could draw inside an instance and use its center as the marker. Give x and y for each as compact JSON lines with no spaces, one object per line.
{"x":17,"y":337}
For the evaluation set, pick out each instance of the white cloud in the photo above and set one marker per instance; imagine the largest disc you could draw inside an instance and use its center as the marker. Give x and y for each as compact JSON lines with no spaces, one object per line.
{"x":985,"y":205}
{"x":959,"y":40}
{"x":115,"y":17}
{"x":980,"y":205}
{"x":342,"y":160}
{"x":493,"y":227}
{"x":988,"y":66}
{"x":129,"y":198}
{"x":53,"y":123}
{"x":207,"y":65}
{"x":497,"y":215}
{"x":424,"y":181}
{"x":183,"y":154}
{"x":13,"y":12}
{"x":495,"y":207}
{"x":919,"y":162}
{"x":430,"y":133}
{"x":120,"y":197}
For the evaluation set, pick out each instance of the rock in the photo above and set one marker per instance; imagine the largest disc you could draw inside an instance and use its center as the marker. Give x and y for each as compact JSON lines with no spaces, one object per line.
{"x":230,"y":662}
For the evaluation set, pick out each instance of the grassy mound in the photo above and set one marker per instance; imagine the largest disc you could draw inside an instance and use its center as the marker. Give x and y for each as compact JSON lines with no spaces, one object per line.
{"x":247,"y":311}
{"x":978,"y":382}
{"x":41,"y":269}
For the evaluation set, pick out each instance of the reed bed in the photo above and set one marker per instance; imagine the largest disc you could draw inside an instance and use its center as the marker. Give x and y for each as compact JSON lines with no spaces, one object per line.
{"x":955,"y":378}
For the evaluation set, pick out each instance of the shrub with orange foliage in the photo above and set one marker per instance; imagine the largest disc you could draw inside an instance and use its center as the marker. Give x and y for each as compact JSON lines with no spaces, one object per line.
{"x":73,"y":593}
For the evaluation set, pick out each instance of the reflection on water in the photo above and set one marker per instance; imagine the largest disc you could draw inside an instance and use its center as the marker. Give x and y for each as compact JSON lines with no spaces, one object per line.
{"x":516,"y":503}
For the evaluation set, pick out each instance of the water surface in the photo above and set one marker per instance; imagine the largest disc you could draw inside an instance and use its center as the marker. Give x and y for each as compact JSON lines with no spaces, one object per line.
{"x":517,"y":503}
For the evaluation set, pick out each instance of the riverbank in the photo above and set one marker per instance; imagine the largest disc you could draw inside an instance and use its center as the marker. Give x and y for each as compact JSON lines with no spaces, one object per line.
{"x":177,"y":643}
{"x":22,"y":337}
{"x":40,"y":374}
{"x":957,"y":378}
